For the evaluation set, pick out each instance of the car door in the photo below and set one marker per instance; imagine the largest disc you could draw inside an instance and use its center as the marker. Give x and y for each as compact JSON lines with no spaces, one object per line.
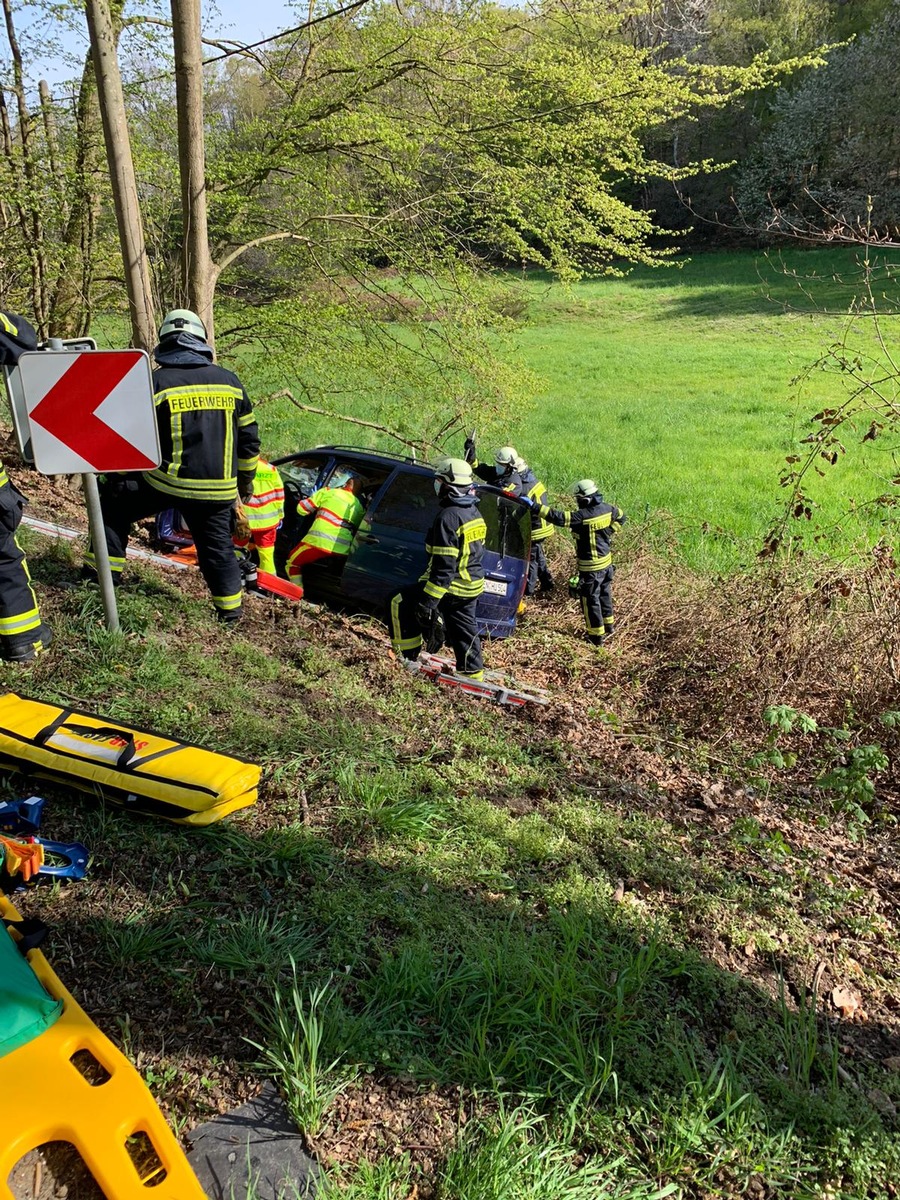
{"x":389,"y":548}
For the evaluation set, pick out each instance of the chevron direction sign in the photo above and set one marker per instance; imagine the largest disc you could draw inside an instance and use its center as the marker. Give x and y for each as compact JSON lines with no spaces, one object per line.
{"x":90,"y":411}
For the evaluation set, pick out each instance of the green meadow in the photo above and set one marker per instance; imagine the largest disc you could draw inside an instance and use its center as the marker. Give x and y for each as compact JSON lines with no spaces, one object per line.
{"x":677,"y":390}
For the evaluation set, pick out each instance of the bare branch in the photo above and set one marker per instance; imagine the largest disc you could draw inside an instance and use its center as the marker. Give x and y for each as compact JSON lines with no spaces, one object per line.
{"x":321,"y":412}
{"x":268,"y":237}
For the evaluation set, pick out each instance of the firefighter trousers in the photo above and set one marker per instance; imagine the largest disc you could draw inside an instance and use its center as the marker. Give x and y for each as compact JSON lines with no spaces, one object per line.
{"x":460,"y":628}
{"x":595,"y":593}
{"x":538,"y":571}
{"x":20,"y":621}
{"x":125,"y":499}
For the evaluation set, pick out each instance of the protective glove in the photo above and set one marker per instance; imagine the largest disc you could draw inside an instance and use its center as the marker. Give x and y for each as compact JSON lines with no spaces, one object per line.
{"x":245,"y":488}
{"x":528,"y":502}
{"x":469,"y":450}
{"x":425,"y":615}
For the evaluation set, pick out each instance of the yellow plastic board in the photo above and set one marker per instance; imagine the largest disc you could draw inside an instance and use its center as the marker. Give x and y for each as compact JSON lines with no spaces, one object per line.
{"x":45,"y":1097}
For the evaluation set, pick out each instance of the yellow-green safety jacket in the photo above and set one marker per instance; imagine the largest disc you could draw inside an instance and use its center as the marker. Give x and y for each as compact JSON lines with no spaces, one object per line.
{"x":265,"y":509}
{"x":338,"y":514}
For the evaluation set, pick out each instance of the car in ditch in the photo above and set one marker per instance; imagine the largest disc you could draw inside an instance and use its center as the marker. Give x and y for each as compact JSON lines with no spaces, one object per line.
{"x":388,"y":551}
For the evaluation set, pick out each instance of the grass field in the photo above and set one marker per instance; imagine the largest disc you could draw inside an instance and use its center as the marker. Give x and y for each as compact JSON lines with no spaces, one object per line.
{"x":674,"y":389}
{"x":485,"y":955}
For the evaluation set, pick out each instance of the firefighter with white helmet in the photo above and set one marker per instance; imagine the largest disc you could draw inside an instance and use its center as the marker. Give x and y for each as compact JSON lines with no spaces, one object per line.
{"x":448,"y":591}
{"x":210,"y":450}
{"x":592,"y":524}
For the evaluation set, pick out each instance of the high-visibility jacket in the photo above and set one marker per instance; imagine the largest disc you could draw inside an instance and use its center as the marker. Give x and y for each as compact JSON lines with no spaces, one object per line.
{"x":592,"y":527}
{"x":207,"y":428}
{"x":535,"y":490}
{"x":455,"y":546}
{"x":265,"y":509}
{"x":338,"y":514}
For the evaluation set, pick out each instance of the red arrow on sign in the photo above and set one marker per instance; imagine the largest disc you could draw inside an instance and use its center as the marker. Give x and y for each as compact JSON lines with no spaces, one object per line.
{"x":68,"y":410}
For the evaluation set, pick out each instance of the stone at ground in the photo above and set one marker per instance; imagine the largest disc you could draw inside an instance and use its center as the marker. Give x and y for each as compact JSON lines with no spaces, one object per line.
{"x":256,"y":1144}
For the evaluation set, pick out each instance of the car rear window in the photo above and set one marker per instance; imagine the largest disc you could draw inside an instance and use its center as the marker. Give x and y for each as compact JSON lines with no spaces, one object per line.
{"x":504,"y":520}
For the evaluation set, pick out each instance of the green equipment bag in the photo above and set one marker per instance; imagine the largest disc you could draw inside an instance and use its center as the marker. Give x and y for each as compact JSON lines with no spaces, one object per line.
{"x":26,"y":1009}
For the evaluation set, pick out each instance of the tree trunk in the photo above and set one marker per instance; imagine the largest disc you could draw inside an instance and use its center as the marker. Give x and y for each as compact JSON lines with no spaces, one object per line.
{"x":121,"y":170}
{"x":198,"y":274}
{"x":31,"y":203}
{"x":71,"y":305}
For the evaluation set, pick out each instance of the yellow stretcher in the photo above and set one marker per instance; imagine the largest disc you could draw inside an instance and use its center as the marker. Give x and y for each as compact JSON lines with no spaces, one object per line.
{"x":141,"y":770}
{"x":45,"y":1097}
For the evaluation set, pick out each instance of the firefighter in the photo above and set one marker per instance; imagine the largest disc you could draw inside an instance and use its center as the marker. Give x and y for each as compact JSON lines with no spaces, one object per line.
{"x":260,"y":515}
{"x":538,"y":570}
{"x":592,"y":524}
{"x":502,"y":473}
{"x":210,"y":446}
{"x":454,"y":578}
{"x":23,"y":635}
{"x":338,"y":512}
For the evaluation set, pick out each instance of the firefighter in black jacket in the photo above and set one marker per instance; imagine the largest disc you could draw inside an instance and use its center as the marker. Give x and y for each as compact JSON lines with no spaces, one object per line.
{"x":538,"y":570}
{"x":502,"y":473}
{"x":23,"y":635}
{"x":592,"y":524}
{"x":454,"y":578}
{"x":210,"y":448}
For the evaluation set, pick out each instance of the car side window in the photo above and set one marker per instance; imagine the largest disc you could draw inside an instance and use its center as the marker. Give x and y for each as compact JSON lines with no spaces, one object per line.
{"x":408,"y":503}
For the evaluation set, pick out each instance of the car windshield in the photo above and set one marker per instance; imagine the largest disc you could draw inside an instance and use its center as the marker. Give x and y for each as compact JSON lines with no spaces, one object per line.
{"x":303,"y":473}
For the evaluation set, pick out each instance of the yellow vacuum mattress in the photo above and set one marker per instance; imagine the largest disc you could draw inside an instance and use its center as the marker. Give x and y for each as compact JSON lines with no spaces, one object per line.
{"x":140,"y":770}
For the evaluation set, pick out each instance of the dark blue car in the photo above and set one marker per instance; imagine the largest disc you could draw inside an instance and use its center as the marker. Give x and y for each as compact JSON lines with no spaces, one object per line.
{"x":389,"y":547}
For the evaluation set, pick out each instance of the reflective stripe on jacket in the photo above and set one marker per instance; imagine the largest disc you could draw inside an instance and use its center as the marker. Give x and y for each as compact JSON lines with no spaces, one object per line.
{"x":265,"y":509}
{"x":455,"y":546}
{"x":592,"y":527}
{"x":207,"y":428}
{"x":338,"y":514}
{"x":535,"y":490}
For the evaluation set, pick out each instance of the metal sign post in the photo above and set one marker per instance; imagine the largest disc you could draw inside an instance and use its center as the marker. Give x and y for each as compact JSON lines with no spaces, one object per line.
{"x":101,"y":550}
{"x":86,"y":411}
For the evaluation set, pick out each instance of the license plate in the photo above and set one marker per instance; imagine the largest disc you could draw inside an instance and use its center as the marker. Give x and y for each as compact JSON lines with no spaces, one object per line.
{"x":496,"y":587}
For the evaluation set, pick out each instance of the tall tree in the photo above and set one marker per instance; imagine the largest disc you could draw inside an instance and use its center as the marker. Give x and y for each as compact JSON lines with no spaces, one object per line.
{"x":198,"y":274}
{"x":122,"y":175}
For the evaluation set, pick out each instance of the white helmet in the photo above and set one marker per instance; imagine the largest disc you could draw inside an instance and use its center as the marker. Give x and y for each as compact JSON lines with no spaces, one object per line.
{"x":182,"y":320}
{"x":520,"y":465}
{"x":455,"y":471}
{"x":505,"y":458}
{"x":584,"y":489}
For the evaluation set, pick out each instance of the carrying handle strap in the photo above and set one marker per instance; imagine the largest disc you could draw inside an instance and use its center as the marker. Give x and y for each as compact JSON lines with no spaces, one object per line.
{"x":125,"y":761}
{"x":45,"y":734}
{"x":31,"y":933}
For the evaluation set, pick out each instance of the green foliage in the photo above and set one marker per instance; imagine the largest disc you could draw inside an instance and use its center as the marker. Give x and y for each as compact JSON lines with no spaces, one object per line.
{"x":829,"y":154}
{"x":851,"y":780}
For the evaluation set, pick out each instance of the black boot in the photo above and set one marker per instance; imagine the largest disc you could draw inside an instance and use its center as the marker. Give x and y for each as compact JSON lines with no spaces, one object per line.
{"x":25,"y":647}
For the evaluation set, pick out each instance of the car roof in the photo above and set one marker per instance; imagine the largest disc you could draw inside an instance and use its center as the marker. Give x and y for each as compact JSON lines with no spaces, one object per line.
{"x":371,"y":458}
